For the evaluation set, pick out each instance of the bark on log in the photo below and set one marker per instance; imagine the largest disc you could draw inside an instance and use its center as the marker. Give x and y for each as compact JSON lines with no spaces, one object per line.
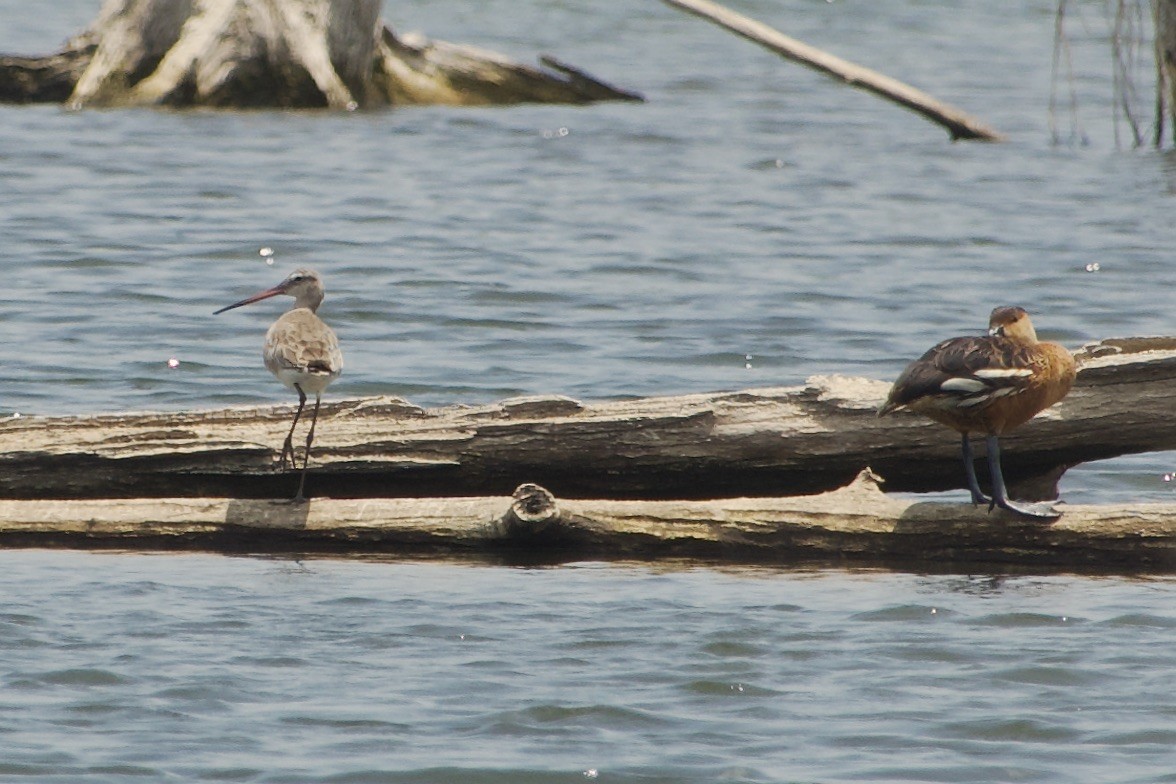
{"x":856,"y":524}
{"x":765,"y":442}
{"x":275,"y":53}
{"x":959,"y":124}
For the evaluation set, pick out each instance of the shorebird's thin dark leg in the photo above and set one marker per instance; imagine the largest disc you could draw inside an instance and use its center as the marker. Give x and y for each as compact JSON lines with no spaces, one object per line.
{"x":309,"y":438}
{"x":1000,"y":495}
{"x":288,"y":444}
{"x":978,"y":497}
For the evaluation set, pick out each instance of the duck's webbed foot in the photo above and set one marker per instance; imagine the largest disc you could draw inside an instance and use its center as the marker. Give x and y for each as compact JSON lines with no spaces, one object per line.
{"x":1043,"y":510}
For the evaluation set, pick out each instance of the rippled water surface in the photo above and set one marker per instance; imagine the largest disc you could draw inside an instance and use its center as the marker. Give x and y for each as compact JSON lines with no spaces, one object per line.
{"x":752,"y":224}
{"x":204,"y":668}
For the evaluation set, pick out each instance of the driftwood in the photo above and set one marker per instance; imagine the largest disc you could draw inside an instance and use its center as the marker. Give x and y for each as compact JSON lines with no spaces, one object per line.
{"x":855,"y":524}
{"x":763,"y":442}
{"x":959,"y":124}
{"x":277,"y":53}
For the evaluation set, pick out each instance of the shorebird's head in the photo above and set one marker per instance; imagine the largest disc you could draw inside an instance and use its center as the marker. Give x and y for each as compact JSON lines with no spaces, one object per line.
{"x":1013,"y":323}
{"x":303,"y":284}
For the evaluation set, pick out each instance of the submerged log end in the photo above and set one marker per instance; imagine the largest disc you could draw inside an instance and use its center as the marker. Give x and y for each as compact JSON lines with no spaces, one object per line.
{"x":587,"y":85}
{"x":967,"y":129}
{"x":415,"y":70}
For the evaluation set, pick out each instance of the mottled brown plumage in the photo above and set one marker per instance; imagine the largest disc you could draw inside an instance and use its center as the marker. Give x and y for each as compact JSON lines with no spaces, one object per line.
{"x":987,"y":384}
{"x":301,"y":349}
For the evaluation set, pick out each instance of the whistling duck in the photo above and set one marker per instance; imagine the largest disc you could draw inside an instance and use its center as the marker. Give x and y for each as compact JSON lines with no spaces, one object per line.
{"x":988,"y":385}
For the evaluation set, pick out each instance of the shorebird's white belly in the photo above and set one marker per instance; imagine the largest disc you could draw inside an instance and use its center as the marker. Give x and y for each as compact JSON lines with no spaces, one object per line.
{"x":312,"y":383}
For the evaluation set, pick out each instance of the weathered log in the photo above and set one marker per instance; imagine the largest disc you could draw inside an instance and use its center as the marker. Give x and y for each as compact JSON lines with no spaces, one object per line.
{"x":959,"y":124}
{"x":275,"y":53}
{"x":763,"y":442}
{"x":855,"y":524}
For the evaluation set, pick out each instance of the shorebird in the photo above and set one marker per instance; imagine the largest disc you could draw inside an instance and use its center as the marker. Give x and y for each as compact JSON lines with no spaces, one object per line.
{"x":301,"y":351}
{"x":988,"y":385}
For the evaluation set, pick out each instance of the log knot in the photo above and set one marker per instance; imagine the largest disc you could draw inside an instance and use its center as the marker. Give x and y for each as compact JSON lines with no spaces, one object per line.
{"x":533,"y":505}
{"x":533,"y":518}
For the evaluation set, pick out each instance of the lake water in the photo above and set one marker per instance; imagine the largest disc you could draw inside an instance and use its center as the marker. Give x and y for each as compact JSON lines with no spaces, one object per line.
{"x":752,"y":224}
{"x":205,"y":668}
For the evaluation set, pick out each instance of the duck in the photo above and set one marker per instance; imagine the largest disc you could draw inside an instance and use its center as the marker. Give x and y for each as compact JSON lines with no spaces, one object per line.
{"x":988,"y":385}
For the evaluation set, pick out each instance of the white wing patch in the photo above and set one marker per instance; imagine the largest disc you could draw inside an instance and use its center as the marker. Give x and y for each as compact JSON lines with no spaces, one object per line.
{"x":984,"y":386}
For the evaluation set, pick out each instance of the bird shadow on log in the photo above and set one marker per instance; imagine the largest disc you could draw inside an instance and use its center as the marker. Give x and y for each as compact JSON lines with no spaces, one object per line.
{"x":261,"y":514}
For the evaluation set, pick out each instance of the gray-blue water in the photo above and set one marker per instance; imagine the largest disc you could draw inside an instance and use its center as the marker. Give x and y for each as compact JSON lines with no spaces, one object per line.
{"x":205,"y":668}
{"x":751,"y":225}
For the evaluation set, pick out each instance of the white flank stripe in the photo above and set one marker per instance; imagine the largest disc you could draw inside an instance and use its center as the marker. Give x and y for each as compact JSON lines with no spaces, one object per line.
{"x":969,"y":402}
{"x":1003,"y":373}
{"x":963,"y":385}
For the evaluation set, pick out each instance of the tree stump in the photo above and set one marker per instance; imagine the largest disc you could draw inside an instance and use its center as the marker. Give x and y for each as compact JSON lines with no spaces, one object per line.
{"x":276,"y":54}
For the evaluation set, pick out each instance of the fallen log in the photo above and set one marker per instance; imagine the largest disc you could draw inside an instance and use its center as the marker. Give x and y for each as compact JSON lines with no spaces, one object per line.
{"x":761,"y":442}
{"x":856,"y":524}
{"x":277,"y":54}
{"x":958,"y":124}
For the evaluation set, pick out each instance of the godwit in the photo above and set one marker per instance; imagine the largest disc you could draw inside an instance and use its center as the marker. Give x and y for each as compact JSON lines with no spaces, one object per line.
{"x":302,"y":351}
{"x":988,"y":385}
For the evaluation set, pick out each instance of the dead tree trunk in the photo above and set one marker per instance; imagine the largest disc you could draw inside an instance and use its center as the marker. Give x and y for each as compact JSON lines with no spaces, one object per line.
{"x":275,"y":53}
{"x":765,"y":442}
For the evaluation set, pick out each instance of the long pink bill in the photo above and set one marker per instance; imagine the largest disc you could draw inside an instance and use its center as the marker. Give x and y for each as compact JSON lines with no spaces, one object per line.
{"x":275,"y":291}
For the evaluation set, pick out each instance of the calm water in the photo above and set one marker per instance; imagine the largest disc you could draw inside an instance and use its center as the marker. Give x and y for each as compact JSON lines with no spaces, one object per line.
{"x":752,"y":225}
